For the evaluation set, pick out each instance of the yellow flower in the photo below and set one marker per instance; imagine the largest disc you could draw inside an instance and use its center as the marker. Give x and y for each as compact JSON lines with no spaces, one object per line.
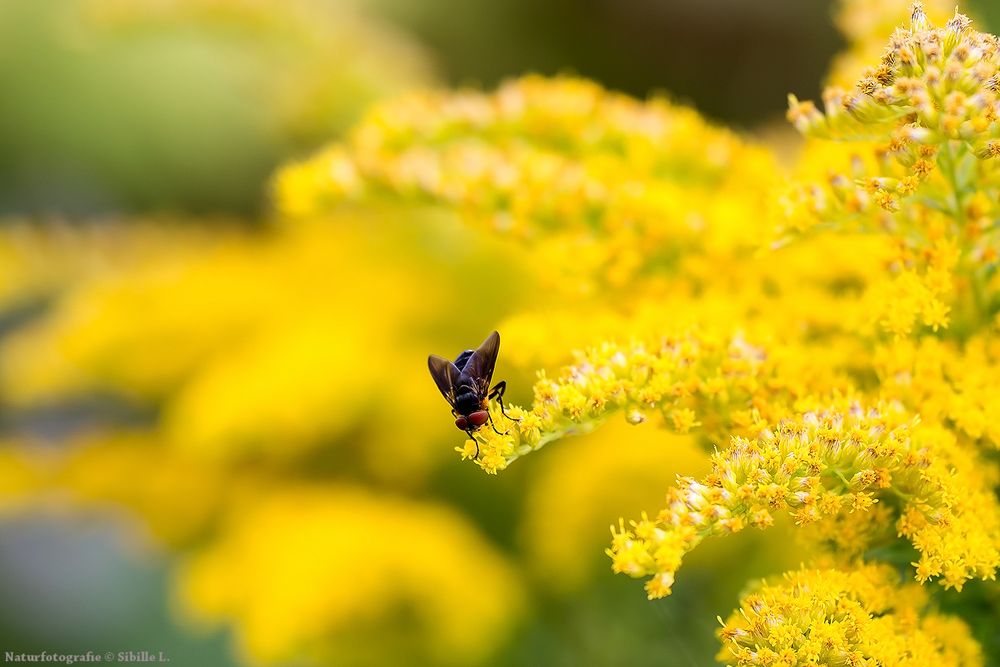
{"x":803,"y":466}
{"x":600,"y":185}
{"x":848,"y":362}
{"x":946,"y":383}
{"x":867,"y":24}
{"x":244,"y":343}
{"x":93,"y":338}
{"x":859,"y":616}
{"x":328,"y":574}
{"x":693,"y":378}
{"x":917,"y":136}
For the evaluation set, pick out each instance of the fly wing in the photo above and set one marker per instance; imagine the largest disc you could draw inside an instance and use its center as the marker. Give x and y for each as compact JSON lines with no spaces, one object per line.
{"x":446,"y":375}
{"x":479,"y":368}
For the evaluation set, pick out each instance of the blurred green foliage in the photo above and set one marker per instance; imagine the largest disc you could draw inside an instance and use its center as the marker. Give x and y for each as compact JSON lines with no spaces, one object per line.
{"x":112,"y":107}
{"x":191,"y":114}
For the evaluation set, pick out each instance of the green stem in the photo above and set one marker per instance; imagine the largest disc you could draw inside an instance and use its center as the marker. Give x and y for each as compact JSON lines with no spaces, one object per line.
{"x":948,"y":160}
{"x":901,"y":494}
{"x":840,"y":475}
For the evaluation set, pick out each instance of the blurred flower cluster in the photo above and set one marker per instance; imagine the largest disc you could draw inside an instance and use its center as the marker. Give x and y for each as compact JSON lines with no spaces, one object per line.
{"x":818,"y":347}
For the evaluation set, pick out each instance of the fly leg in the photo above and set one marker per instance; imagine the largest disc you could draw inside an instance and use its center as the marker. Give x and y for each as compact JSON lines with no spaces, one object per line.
{"x":472,"y":437}
{"x":494,"y":425}
{"x":497,"y":392}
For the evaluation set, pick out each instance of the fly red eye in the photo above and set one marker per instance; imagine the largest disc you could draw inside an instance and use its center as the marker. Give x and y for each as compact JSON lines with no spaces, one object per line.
{"x":479,"y":418}
{"x":462,"y":423}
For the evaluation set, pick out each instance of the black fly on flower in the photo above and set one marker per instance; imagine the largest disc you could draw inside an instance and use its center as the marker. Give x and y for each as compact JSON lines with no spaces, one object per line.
{"x":465,"y":384}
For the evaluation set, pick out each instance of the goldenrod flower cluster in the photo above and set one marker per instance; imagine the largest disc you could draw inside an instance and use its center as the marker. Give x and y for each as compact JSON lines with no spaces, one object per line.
{"x":646,"y":268}
{"x":683,"y":379}
{"x":919,"y":128}
{"x":820,"y":465}
{"x":866,"y":25}
{"x":607,"y":188}
{"x":860,"y":617}
{"x":857,"y":464}
{"x":946,"y":384}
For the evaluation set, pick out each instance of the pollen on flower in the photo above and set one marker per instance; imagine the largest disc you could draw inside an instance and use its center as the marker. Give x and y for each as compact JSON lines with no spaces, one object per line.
{"x":684,"y":420}
{"x":858,"y":616}
{"x":468,"y":450}
{"x":678,"y":377}
{"x":808,"y":467}
{"x":922,"y":125}
{"x":554,"y":163}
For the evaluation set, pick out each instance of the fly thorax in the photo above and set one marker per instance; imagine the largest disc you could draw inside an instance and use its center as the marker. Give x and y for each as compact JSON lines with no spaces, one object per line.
{"x":466,"y":399}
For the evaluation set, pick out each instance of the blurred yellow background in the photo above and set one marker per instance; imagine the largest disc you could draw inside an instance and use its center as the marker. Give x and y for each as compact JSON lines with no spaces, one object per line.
{"x":220,"y":439}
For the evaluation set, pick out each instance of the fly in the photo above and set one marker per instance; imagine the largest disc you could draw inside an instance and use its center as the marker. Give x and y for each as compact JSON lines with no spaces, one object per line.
{"x":465,"y":384}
